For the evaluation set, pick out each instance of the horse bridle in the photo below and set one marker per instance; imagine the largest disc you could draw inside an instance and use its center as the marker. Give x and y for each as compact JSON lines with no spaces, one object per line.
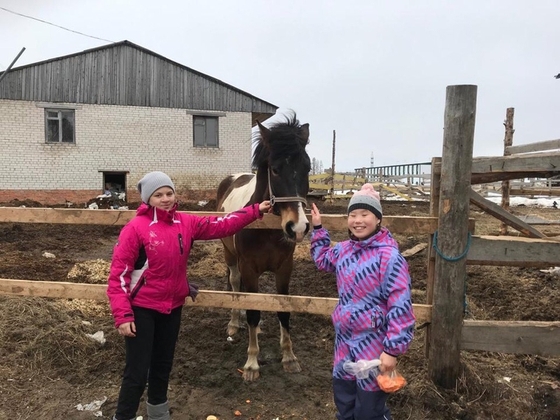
{"x":274,"y":200}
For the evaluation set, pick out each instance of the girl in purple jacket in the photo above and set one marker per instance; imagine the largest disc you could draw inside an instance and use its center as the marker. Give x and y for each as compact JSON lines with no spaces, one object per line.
{"x":148,"y":285}
{"x":373,"y":318}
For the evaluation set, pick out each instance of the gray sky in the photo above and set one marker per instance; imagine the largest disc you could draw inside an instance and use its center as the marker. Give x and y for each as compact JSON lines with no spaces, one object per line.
{"x":374,"y":71}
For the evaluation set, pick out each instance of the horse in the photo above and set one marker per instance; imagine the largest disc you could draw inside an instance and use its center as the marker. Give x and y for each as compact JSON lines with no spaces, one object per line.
{"x":282,"y":176}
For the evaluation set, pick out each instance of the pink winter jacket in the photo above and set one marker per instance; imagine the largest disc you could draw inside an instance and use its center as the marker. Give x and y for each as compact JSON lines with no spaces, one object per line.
{"x":149,"y":265}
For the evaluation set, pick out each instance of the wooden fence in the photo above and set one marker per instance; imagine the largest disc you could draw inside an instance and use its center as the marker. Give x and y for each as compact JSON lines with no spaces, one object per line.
{"x":205,"y":298}
{"x":343,"y":185}
{"x":451,"y":192}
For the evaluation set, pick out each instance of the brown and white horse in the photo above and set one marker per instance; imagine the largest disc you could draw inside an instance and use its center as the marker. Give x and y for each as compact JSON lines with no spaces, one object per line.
{"x":282,"y":169}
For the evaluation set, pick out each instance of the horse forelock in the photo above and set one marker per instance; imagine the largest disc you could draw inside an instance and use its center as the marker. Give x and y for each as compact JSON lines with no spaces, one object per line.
{"x":286,"y":140}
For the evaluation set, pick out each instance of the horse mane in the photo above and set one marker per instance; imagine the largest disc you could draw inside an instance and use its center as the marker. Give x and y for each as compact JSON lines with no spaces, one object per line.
{"x":284,"y":141}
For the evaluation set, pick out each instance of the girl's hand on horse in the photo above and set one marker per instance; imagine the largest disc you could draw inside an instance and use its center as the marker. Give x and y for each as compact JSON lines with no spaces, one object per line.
{"x":128,"y":329}
{"x":315,"y":215}
{"x":265,"y":207}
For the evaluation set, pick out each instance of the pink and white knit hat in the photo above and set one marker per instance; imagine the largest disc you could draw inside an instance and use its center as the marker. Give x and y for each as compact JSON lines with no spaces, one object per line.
{"x":367,"y":198}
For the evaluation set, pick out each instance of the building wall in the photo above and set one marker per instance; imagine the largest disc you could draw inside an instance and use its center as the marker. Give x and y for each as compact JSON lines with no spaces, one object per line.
{"x":128,"y":139}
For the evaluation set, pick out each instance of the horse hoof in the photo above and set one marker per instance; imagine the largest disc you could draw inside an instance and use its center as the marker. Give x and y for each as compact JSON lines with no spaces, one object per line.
{"x":292,"y":366}
{"x":250,"y":375}
{"x":231,"y":330}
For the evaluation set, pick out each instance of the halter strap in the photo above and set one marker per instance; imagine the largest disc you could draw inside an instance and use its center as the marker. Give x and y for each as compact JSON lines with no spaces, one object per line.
{"x":274,"y":200}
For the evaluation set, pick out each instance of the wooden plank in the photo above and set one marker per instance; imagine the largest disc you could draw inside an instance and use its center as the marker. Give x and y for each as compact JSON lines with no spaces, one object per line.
{"x":534,"y":147}
{"x":397,"y":224}
{"x":449,"y":281}
{"x":498,"y":168}
{"x":536,"y":220}
{"x":553,"y":191}
{"x":513,"y":251}
{"x":347,"y":178}
{"x":205,"y":298}
{"x":414,"y":250}
{"x":505,"y":216}
{"x":395,"y":191}
{"x":518,"y":163}
{"x":483,"y":178}
{"x":520,"y":337}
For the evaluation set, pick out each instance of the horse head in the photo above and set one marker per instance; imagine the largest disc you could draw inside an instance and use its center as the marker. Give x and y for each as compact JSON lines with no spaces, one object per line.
{"x":283,"y":166}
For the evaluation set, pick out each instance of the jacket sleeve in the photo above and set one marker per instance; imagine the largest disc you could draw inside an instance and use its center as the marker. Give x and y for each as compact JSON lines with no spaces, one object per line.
{"x":216,"y":227}
{"x":125,"y":253}
{"x":322,"y":253}
{"x":400,"y":314}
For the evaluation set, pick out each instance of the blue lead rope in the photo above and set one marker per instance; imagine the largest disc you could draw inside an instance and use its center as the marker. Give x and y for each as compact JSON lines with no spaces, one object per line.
{"x":451,"y":259}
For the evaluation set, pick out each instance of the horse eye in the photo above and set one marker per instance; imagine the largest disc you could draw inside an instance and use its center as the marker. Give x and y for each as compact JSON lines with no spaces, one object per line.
{"x":274,"y":171}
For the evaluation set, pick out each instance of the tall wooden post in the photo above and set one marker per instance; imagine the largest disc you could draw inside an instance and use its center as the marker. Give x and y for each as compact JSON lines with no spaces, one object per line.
{"x":332,"y":163}
{"x":435,"y":178}
{"x":508,"y":141}
{"x":452,"y":235}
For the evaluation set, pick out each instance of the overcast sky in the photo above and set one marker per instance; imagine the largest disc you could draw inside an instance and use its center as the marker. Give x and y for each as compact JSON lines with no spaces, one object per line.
{"x":373,"y":71}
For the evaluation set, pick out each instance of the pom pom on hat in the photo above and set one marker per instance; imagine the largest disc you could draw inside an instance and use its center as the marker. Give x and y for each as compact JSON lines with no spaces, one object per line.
{"x":367,"y":198}
{"x":151,"y":182}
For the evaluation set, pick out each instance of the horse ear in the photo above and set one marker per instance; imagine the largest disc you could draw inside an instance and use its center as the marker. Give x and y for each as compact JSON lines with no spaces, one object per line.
{"x":304,"y":130}
{"x":265,"y":132}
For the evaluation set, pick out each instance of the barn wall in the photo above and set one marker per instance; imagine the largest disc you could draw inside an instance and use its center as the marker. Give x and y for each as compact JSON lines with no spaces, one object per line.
{"x":116,"y":138}
{"x":80,"y":198}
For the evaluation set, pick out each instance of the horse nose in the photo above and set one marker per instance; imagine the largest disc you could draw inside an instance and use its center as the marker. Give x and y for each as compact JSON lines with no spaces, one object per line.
{"x":296,"y":235}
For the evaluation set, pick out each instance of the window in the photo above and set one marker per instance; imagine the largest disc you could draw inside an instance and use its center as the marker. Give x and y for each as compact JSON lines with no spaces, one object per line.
{"x":59,"y":125}
{"x":205,"y":131}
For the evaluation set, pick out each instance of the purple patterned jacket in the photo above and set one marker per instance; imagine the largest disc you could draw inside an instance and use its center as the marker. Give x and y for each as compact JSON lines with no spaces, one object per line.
{"x":374,"y":311}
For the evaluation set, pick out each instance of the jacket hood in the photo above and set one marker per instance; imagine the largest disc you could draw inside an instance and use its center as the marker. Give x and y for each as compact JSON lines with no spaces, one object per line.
{"x":380,"y":239}
{"x":157,"y":214}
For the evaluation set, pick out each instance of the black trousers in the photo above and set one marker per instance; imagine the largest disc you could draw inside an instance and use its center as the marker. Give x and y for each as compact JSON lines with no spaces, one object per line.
{"x":149,"y":358}
{"x":354,"y":403}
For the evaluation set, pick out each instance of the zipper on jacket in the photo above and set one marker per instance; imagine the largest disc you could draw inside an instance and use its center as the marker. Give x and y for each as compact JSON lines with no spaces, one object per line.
{"x":180,"y":243}
{"x":135,"y":291}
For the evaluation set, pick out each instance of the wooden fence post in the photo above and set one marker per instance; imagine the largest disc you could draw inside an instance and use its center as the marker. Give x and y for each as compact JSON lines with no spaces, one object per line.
{"x":332,"y":164}
{"x":444,"y":363}
{"x":508,"y":141}
{"x":434,"y":211}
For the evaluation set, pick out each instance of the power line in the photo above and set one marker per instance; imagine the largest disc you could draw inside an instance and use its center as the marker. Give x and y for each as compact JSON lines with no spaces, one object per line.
{"x":52,"y":24}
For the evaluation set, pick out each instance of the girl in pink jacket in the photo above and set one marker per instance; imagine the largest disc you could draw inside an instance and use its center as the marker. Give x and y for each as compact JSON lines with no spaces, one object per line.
{"x":148,"y":285}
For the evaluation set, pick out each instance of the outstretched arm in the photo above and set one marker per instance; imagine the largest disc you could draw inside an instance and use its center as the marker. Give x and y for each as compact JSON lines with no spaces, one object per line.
{"x":214,"y":227}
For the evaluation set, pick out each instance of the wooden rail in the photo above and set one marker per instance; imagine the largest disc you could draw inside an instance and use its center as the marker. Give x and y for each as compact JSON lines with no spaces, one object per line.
{"x":397,"y":224}
{"x":205,"y":298}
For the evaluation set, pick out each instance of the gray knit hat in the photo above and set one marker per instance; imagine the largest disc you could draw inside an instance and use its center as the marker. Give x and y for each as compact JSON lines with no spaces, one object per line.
{"x":151,"y":182}
{"x":367,"y":198}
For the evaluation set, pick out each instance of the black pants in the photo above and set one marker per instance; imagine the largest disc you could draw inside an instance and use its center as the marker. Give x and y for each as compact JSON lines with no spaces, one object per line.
{"x":354,"y":403}
{"x":149,"y":357}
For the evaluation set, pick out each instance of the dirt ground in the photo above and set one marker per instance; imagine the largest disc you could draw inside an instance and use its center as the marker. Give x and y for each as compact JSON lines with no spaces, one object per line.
{"x":50,"y":366}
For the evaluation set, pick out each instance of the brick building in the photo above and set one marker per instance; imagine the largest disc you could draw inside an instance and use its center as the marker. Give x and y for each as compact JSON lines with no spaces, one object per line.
{"x":72,"y":125}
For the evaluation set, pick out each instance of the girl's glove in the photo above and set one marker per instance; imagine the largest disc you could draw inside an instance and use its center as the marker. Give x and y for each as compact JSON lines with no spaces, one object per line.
{"x":193,"y":291}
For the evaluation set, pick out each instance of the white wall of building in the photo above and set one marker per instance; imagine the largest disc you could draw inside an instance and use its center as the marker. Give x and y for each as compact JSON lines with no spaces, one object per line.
{"x":117,"y":138}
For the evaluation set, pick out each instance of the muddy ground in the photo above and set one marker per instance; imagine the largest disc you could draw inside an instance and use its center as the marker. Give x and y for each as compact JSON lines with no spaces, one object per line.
{"x":50,"y":366}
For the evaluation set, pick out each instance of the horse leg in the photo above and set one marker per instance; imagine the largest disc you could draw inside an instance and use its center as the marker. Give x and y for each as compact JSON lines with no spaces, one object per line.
{"x":289,"y":360}
{"x":251,"y":370}
{"x":234,"y":279}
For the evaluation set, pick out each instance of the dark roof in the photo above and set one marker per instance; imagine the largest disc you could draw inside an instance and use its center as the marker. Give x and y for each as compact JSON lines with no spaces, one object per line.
{"x":146,"y":51}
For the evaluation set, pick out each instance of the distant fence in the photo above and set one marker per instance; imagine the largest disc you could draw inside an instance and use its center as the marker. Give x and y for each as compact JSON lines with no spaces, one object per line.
{"x":405,"y":173}
{"x":407,"y":180}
